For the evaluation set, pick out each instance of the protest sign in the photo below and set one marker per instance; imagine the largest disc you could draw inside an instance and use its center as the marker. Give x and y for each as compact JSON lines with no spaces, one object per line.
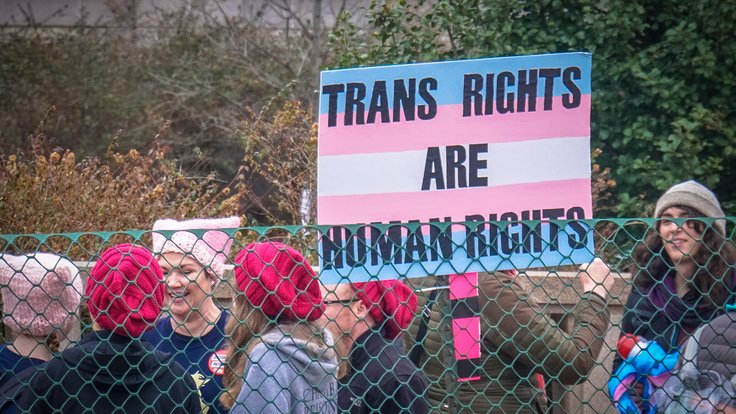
{"x":498,"y":139}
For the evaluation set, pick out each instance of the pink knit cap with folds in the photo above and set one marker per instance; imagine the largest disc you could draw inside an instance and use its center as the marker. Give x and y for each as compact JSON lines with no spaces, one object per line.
{"x":279,"y":280}
{"x":390,"y":303}
{"x":40,"y":292}
{"x":210,"y":250}
{"x":126,"y":290}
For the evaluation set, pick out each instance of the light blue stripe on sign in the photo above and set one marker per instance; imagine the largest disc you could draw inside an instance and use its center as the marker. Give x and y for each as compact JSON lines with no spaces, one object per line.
{"x":450,"y":75}
{"x":487,"y":248}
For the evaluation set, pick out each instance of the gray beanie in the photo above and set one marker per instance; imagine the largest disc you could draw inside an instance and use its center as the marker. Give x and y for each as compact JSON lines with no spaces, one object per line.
{"x":694,"y":195}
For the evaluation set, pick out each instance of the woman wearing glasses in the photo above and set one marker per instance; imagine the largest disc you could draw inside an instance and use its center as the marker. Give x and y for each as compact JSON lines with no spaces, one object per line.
{"x":683,"y":272}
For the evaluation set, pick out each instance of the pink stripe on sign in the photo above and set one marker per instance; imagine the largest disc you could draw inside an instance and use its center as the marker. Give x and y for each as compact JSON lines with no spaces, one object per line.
{"x":463,"y":286}
{"x":465,"y":331}
{"x":466,"y":336}
{"x":457,"y":203}
{"x":449,"y":122}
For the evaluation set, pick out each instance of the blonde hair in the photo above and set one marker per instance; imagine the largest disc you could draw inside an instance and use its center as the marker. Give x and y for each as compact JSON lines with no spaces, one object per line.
{"x":341,"y":350}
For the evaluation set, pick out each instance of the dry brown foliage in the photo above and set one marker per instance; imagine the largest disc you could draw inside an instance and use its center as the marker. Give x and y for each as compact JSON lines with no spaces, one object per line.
{"x":280,"y":164}
{"x":602,"y":184}
{"x":51,"y":192}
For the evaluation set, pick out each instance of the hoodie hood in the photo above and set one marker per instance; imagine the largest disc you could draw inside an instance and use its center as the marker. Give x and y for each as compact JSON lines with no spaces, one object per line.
{"x":715,"y":346}
{"x":314,"y":359}
{"x":108,"y":360}
{"x":294,"y":364}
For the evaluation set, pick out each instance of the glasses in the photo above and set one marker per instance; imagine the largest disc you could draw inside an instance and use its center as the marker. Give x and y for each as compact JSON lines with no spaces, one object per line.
{"x":682,"y":222}
{"x":340,"y":301}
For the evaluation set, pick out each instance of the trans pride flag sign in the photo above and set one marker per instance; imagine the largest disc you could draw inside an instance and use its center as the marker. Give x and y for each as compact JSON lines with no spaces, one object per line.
{"x":486,"y":140}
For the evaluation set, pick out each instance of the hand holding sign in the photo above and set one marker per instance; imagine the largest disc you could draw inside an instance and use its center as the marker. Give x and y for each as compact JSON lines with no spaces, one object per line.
{"x":495,"y":155}
{"x":596,"y":277}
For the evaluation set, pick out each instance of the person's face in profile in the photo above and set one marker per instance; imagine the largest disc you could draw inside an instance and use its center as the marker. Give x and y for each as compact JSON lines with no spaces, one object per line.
{"x":340,"y":312}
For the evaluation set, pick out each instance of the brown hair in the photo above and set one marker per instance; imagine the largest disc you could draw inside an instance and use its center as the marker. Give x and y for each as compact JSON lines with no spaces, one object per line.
{"x":245,"y":324}
{"x":53,"y":339}
{"x":53,"y":342}
{"x":714,"y":260}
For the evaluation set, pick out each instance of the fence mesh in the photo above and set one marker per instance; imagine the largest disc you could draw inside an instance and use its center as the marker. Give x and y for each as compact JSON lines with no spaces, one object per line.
{"x":240,"y":323}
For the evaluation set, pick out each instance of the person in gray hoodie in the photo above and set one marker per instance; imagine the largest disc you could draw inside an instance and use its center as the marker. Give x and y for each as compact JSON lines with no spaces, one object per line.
{"x":280,"y":359}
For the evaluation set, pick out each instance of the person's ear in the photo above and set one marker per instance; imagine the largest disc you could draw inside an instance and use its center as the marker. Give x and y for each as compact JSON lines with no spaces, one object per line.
{"x":361,"y":311}
{"x":212,"y":277}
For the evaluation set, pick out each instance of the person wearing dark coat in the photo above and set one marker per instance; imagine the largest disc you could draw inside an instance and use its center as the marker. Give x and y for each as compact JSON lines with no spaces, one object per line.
{"x":111,"y":373}
{"x":112,"y":370}
{"x":520,"y":343}
{"x":369,"y":318}
{"x":682,"y":274}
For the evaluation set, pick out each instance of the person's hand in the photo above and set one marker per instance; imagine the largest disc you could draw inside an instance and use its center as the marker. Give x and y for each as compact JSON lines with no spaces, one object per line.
{"x":596,"y":277}
{"x":511,"y":272}
{"x":637,"y":391}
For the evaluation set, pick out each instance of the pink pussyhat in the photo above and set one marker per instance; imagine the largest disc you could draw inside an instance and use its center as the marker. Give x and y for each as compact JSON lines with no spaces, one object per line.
{"x":389,"y":302}
{"x":125,"y":290}
{"x":40,"y":292}
{"x":210,"y":250}
{"x":277,"y":279}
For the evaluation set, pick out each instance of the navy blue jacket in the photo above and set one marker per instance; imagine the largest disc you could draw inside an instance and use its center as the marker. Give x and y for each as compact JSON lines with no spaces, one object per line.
{"x":381,"y":379}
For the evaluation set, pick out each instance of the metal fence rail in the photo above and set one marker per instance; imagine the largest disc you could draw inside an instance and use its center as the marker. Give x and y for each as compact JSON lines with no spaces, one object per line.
{"x":544,"y":342}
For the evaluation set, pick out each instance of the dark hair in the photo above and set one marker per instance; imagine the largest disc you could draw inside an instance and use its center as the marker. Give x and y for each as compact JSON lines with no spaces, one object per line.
{"x":53,"y":342}
{"x":714,"y":262}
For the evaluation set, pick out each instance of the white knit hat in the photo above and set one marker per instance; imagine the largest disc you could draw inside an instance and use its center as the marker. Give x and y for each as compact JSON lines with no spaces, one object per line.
{"x":694,"y":195}
{"x":40,"y":292}
{"x":210,"y":250}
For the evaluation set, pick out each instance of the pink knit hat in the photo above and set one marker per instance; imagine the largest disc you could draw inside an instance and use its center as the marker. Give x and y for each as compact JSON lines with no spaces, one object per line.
{"x":39,"y":292}
{"x":210,"y":250}
{"x":390,"y":303}
{"x":126,"y":290}
{"x":279,"y":280}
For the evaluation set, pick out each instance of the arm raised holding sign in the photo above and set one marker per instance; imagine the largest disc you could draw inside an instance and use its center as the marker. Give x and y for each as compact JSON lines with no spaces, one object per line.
{"x":519,"y":340}
{"x":521,"y":336}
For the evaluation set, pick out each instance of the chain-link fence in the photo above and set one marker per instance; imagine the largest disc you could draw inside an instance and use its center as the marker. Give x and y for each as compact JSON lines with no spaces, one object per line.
{"x":228,"y":319}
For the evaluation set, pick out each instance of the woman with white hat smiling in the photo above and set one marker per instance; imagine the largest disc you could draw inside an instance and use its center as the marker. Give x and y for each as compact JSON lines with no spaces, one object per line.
{"x":193,"y":263}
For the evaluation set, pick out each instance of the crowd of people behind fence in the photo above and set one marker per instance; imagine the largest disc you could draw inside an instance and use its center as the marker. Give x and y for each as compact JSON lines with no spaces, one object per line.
{"x":159,"y":342}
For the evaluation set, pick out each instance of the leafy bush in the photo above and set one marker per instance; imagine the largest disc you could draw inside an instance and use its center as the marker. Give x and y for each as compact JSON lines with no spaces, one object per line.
{"x":663,"y":79}
{"x":190,"y":66}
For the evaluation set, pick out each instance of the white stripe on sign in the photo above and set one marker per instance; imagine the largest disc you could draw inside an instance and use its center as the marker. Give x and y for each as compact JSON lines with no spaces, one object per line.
{"x":506,"y":164}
